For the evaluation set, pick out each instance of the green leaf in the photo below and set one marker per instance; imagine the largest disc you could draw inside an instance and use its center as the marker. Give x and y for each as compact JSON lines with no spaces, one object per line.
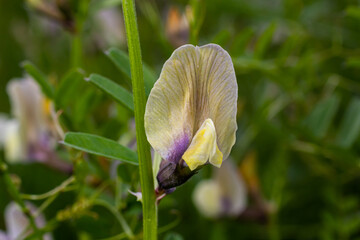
{"x":40,"y":78}
{"x":121,"y":61}
{"x":264,"y":41}
{"x":120,"y":94}
{"x":353,"y":62}
{"x":100,"y":146}
{"x":353,"y":11}
{"x":86,"y":101}
{"x":350,"y":125}
{"x":222,"y":37}
{"x":241,"y":41}
{"x":319,"y":120}
{"x":67,"y":90}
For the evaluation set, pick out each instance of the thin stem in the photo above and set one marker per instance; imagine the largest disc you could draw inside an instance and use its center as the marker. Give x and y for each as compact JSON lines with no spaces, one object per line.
{"x":171,"y":225}
{"x":116,"y":237}
{"x":60,"y":188}
{"x":14,"y":193}
{"x":145,"y":165}
{"x":118,"y":216}
{"x":76,"y":51}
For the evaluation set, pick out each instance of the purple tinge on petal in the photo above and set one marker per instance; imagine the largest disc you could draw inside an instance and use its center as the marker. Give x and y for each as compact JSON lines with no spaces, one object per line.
{"x":226,"y":205}
{"x":180,"y":146}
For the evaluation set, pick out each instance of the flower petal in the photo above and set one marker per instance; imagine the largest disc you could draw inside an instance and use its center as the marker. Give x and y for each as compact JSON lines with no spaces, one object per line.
{"x":219,"y":93}
{"x":233,"y":188}
{"x":195,"y":84}
{"x":207,"y":198}
{"x":203,"y":147}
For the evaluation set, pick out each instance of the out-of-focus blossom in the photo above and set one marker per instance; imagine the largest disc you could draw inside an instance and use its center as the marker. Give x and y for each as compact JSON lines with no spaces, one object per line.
{"x":109,"y":28}
{"x":190,"y":117}
{"x":58,"y":11}
{"x":10,"y":139}
{"x":16,"y":222}
{"x":32,"y":135}
{"x":177,"y":27}
{"x":223,"y":195}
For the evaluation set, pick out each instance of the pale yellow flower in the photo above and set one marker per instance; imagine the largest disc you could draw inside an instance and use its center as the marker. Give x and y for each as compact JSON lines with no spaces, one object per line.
{"x":190,"y":117}
{"x":223,"y":195}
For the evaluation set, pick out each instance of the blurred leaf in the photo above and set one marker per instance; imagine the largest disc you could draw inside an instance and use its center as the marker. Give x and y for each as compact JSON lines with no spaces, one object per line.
{"x":86,"y":101}
{"x":40,"y":78}
{"x":241,"y":41}
{"x":353,"y":62}
{"x":264,"y":41}
{"x":121,"y":60}
{"x":350,"y":125}
{"x":318,"y":121}
{"x":244,"y":64}
{"x":222,"y":37}
{"x":353,"y":11}
{"x":123,"y":173}
{"x":120,"y":94}
{"x":100,"y":146}
{"x":68,"y":87}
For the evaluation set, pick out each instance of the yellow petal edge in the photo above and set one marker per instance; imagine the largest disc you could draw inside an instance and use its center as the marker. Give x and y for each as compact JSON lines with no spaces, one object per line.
{"x":203,"y":147}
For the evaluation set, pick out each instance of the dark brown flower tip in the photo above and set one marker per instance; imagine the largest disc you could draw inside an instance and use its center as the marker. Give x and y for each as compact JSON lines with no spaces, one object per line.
{"x":172,"y":175}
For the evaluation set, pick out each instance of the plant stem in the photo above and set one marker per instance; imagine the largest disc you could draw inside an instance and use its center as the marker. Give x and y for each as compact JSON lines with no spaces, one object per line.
{"x":118,"y":215}
{"x":52,"y":192}
{"x":14,"y":193}
{"x":145,"y":165}
{"x":76,"y":51}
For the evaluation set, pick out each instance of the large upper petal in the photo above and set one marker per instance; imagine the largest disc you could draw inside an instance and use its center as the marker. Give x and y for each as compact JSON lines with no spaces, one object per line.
{"x":195,"y":84}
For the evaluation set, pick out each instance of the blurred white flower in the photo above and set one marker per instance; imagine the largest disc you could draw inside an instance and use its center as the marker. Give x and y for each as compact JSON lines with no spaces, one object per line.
{"x":223,"y":195}
{"x":32,"y":135}
{"x":10,"y":139}
{"x":207,"y":198}
{"x":16,"y":222}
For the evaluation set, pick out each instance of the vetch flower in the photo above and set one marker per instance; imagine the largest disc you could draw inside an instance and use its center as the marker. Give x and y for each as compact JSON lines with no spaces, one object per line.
{"x":16,"y":222}
{"x":190,"y":117}
{"x":33,"y":133}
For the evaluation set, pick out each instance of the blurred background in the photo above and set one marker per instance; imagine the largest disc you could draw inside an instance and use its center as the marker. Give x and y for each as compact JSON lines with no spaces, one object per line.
{"x":293,"y":173}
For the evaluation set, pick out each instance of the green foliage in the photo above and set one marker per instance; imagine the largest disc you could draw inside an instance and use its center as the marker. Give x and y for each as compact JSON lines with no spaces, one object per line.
{"x":121,"y":61}
{"x":100,"y":146}
{"x":41,"y":79}
{"x":118,"y":93}
{"x":297,"y":65}
{"x":350,"y":125}
{"x":320,"y":118}
{"x":68,"y":87}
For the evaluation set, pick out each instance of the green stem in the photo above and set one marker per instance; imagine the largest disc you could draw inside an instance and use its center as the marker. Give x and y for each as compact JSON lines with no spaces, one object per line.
{"x":76,"y":51}
{"x":118,"y":216}
{"x":14,"y":193}
{"x":197,"y":18}
{"x":52,"y":192}
{"x":145,"y":165}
